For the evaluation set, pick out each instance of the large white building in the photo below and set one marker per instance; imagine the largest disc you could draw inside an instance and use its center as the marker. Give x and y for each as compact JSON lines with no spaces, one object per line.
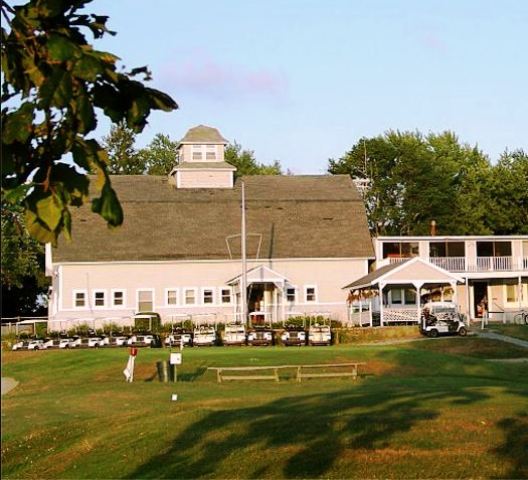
{"x":179,"y":250}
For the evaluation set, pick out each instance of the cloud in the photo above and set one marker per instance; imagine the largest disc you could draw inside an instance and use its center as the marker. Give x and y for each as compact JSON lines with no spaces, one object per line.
{"x":205,"y":76}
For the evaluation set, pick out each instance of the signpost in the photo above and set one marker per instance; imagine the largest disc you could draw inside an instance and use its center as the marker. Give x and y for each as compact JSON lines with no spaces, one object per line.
{"x":129,"y":369}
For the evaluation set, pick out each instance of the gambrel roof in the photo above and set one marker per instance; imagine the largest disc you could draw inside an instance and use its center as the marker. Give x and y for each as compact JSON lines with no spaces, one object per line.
{"x":319,"y":216}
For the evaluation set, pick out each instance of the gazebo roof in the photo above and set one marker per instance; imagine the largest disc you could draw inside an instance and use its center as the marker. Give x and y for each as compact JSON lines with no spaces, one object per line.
{"x":407,"y":272}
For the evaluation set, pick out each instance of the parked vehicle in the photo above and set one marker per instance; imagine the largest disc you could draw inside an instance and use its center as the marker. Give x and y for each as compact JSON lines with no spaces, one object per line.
{"x":441,"y":318}
{"x":78,"y":342}
{"x":319,"y":334}
{"x":179,"y":336}
{"x":293,"y":335}
{"x":65,"y":342}
{"x":20,"y":346}
{"x":51,"y":343}
{"x":260,"y":335}
{"x":113,"y":341}
{"x":204,"y":336}
{"x":234,"y":334}
{"x":140,"y":340}
{"x":95,"y":342}
{"x":36,"y":345}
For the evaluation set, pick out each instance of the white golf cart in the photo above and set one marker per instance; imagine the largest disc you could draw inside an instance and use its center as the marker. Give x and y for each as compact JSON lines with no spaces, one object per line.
{"x":319,"y":331}
{"x":441,"y":318}
{"x":234,"y":334}
{"x":294,"y":334}
{"x":204,"y":336}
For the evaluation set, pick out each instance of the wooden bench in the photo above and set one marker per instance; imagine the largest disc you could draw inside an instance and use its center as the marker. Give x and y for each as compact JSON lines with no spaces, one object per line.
{"x":220,"y":376}
{"x":353,"y":365}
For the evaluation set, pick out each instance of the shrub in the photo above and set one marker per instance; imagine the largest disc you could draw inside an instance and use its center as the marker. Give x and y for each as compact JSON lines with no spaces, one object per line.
{"x":374,"y":334}
{"x":111,"y":328}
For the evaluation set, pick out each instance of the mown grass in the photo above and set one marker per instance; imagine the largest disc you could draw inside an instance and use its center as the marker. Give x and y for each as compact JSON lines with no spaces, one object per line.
{"x":431,"y":409}
{"x":516,"y":331}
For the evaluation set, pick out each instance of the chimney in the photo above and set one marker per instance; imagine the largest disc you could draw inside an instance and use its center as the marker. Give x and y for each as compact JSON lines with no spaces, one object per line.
{"x":433,"y":228}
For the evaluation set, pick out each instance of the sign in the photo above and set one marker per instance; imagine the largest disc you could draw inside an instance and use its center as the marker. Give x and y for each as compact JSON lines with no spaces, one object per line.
{"x":175,"y":359}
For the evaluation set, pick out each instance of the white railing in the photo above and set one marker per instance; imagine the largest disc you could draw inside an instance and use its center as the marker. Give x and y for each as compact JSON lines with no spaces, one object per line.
{"x":496,"y":264}
{"x":452,"y":264}
{"x":393,"y":315}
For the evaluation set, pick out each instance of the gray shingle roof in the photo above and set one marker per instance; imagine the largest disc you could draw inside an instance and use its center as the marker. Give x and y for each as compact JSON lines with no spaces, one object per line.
{"x":291,"y":216}
{"x":203,"y":134}
{"x":204,"y":166}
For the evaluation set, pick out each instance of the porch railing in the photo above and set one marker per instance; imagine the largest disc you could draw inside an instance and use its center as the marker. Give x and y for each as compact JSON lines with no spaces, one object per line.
{"x":399,"y":315}
{"x":452,"y":264}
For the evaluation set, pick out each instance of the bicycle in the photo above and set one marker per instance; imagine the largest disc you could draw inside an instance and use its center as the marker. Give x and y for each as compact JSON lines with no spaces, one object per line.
{"x":521,"y":317}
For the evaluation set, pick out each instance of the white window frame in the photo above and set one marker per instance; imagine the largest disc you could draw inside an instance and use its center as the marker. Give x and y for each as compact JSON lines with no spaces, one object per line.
{"x":221,"y":296}
{"x":105,"y":297}
{"x":187,"y":289}
{"x":295,"y":294}
{"x":166,"y":296}
{"x":74,"y":293}
{"x":112,"y":297}
{"x":145,"y":289}
{"x":202,"y":296}
{"x":316,"y":294}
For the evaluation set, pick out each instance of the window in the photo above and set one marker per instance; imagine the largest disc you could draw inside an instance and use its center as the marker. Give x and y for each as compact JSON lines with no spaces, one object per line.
{"x":400,"y":249}
{"x":190,"y":296}
{"x":225,"y":293}
{"x":512,"y":293}
{"x":99,"y":298}
{"x":197,"y":153}
{"x":410,"y":297}
{"x":310,"y":294}
{"x":396,"y":296}
{"x":145,"y":300}
{"x":171,"y":296}
{"x":118,"y":298}
{"x":446,"y":249}
{"x":79,"y":299}
{"x":207,"y":296}
{"x":210,"y":152}
{"x":290,"y":294}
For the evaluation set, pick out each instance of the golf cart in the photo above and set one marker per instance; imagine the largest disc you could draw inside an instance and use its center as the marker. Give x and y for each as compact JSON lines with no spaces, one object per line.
{"x":234,"y":334}
{"x":319,"y":333}
{"x":178,"y":337}
{"x":441,"y":318}
{"x":294,"y":334}
{"x":204,"y":336}
{"x":260,"y":332}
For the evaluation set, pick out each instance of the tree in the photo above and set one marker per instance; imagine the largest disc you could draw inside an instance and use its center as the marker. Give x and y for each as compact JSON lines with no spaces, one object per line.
{"x":415,"y":179}
{"x":23,"y":279}
{"x":246,"y":164}
{"x":508,"y":190}
{"x":123,"y":159}
{"x":54,"y":83}
{"x":159,"y":157}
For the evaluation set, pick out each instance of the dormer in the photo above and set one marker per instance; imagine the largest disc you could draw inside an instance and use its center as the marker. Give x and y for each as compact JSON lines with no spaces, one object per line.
{"x":201,"y":160}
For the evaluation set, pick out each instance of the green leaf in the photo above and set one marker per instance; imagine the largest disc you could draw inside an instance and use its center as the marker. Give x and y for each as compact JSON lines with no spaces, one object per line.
{"x":38,"y":230}
{"x":84,"y":113}
{"x":18,"y":194}
{"x":17,"y":126}
{"x":107,"y":205}
{"x":56,"y":91}
{"x":60,"y":48}
{"x":49,"y":210}
{"x":88,"y":68}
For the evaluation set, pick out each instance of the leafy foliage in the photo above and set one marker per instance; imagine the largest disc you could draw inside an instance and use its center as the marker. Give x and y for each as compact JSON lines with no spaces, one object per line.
{"x":159,"y":157}
{"x":246,"y":164}
{"x":123,"y":159}
{"x":53,"y":82}
{"x":415,"y":179}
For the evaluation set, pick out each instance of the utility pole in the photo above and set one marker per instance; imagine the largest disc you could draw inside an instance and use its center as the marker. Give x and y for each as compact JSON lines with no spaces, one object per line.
{"x":243,"y":279}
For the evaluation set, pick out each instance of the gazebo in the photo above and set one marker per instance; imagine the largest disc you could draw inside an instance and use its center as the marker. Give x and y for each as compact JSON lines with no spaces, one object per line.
{"x":393,"y":293}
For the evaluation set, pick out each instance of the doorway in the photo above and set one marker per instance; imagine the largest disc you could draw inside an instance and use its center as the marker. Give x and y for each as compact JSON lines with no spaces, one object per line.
{"x":480,"y":298}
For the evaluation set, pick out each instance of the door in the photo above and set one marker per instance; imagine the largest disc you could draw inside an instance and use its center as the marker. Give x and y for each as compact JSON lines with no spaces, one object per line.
{"x":480,"y":298}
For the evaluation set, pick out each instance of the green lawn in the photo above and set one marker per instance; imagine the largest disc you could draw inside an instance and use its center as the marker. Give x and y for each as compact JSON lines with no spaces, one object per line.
{"x":430,"y":409}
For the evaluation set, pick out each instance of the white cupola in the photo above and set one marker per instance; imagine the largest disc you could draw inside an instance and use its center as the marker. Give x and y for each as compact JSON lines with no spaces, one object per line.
{"x":201,"y":161}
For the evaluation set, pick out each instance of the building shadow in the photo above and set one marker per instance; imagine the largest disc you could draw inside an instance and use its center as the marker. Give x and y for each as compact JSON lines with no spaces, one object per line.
{"x":515,"y":445}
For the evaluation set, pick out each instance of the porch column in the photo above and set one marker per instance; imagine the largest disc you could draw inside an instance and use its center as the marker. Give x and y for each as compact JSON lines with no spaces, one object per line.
{"x":381,"y":286}
{"x":455,"y":293}
{"x":468,"y":301}
{"x":519,"y":292}
{"x":418,"y":286}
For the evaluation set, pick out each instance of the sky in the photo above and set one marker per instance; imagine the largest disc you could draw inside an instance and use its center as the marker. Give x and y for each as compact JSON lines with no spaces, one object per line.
{"x":300,"y":81}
